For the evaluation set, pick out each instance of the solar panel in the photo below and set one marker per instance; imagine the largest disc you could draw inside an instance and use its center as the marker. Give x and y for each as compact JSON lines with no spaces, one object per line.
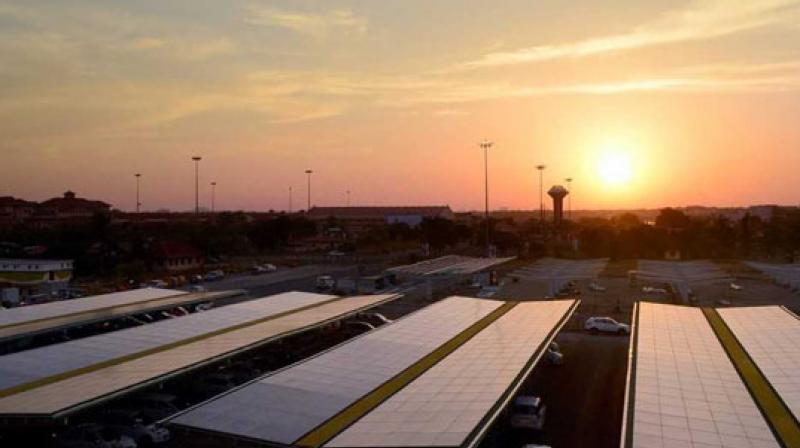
{"x":685,"y":391}
{"x":16,"y":316}
{"x":23,"y":367}
{"x":119,"y":377}
{"x":286,"y":405}
{"x":771,"y":336}
{"x":447,"y":403}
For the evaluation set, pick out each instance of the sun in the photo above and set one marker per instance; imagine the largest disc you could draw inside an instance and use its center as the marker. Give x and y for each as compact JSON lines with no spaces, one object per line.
{"x":615,"y":168}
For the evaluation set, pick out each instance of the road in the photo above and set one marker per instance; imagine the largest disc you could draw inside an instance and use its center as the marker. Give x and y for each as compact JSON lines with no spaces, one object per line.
{"x":291,"y":279}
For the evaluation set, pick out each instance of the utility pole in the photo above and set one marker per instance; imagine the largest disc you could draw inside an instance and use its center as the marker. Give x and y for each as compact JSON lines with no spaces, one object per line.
{"x":308,"y":173}
{"x":196,"y":184}
{"x":138,"y":201}
{"x":485,"y":145}
{"x":541,"y":191}
{"x":213,"y":194}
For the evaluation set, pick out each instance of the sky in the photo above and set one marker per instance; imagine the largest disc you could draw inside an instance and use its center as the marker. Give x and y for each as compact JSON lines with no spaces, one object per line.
{"x":643,"y":104}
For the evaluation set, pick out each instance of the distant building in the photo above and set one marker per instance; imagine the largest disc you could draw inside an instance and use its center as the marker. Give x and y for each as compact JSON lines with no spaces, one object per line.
{"x":34,"y":276}
{"x":16,"y":210}
{"x":360,"y":219}
{"x":173,"y":256}
{"x":70,"y":206}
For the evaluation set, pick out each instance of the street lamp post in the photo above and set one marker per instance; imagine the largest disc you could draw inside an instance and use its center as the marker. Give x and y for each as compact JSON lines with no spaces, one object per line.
{"x":541,"y":191}
{"x":196,"y":184}
{"x":485,"y":145}
{"x":138,"y":201}
{"x":213,"y":195}
{"x":569,"y":198}
{"x":308,"y":205}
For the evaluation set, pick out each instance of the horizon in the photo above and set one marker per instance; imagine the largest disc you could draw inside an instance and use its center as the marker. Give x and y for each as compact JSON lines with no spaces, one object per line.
{"x":391,"y":101}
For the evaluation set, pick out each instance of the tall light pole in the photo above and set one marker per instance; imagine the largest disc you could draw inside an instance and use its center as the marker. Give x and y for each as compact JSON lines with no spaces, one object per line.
{"x":485,"y":145}
{"x":541,"y":191}
{"x":569,"y":198}
{"x":213,"y":194}
{"x":308,"y":205}
{"x":138,"y":201}
{"x":196,"y":184}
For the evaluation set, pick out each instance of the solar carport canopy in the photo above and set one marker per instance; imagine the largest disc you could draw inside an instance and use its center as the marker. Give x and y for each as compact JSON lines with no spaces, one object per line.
{"x":53,"y":381}
{"x":771,"y":337}
{"x":33,"y":319}
{"x":455,"y":363}
{"x":684,"y":389}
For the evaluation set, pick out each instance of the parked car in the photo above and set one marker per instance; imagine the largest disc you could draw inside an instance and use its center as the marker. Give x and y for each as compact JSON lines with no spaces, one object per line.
{"x":594,"y":287}
{"x":155,"y":406}
{"x":205,"y":306}
{"x":606,"y":325}
{"x":554,"y":355}
{"x":325,"y":283}
{"x":197,"y":288}
{"x":196,"y":278}
{"x":129,"y":422}
{"x":528,"y":412}
{"x":93,"y":435}
{"x":214,"y":275}
{"x":157,"y":284}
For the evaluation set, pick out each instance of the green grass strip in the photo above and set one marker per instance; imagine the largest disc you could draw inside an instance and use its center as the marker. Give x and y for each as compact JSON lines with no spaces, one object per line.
{"x":775,"y":411}
{"x":162,"y":348}
{"x":339,"y":422}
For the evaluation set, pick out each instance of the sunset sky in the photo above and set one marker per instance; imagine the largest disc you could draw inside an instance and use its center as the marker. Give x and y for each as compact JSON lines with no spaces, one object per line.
{"x":644,"y":103}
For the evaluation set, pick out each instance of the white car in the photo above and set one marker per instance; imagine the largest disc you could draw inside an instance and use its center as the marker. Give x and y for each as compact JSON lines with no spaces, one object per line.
{"x":606,"y":325}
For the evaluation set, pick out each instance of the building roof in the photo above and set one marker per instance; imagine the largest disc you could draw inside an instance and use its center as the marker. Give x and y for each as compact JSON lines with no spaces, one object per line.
{"x":54,"y":381}
{"x":387,"y":375}
{"x":35,"y":319}
{"x":71,"y":201}
{"x":704,"y":377}
{"x":10,"y":201}
{"x":379,"y":212}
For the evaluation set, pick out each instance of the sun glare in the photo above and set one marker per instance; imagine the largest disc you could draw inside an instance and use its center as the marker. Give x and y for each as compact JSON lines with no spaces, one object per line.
{"x":615,"y":168}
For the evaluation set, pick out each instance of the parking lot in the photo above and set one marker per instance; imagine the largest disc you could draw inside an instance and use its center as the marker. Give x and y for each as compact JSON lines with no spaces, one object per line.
{"x":584,"y":396}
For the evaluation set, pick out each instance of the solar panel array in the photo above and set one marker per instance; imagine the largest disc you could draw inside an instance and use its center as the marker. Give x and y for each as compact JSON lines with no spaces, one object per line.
{"x":64,"y":394}
{"x":449,"y":264}
{"x":284,"y":406}
{"x":787,"y":275}
{"x":686,"y":390}
{"x":16,"y":316}
{"x":444,"y":405}
{"x":23,"y":367}
{"x":771,"y":336}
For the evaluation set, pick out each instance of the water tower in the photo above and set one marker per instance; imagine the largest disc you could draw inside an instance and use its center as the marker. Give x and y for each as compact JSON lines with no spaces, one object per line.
{"x":558,"y":193}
